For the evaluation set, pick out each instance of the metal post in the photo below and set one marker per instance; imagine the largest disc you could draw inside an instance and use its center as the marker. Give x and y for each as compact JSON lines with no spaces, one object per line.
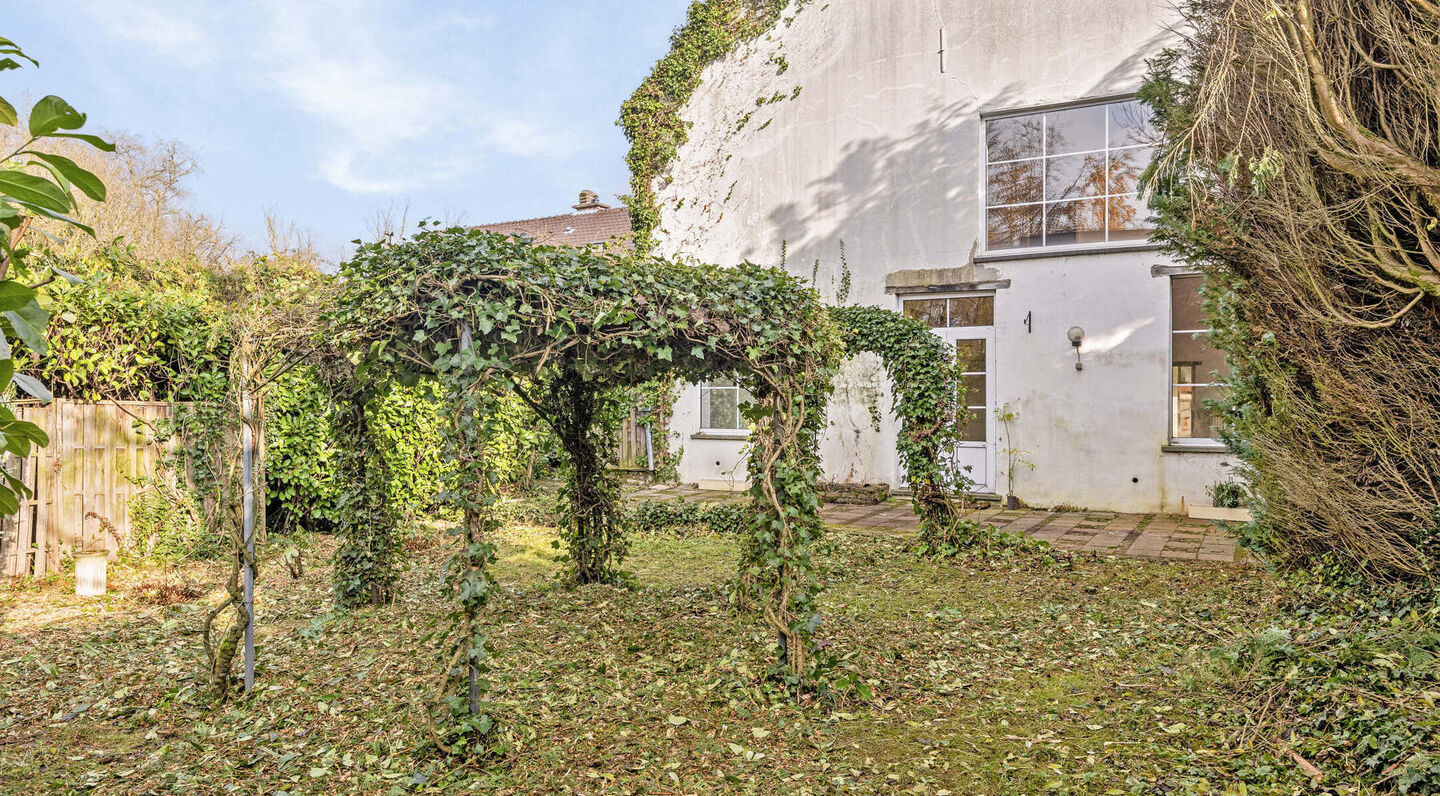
{"x":247,"y":476}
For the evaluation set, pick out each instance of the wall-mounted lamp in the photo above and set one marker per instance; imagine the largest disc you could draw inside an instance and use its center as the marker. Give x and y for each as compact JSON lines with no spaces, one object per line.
{"x":1077,"y":336}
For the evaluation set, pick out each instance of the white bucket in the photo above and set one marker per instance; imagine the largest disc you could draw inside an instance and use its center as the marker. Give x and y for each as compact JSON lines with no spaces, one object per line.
{"x":90,"y":574}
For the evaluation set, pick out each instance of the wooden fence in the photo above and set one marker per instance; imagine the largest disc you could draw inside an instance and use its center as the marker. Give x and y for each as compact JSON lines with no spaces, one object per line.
{"x":634,"y":443}
{"x":88,"y":471}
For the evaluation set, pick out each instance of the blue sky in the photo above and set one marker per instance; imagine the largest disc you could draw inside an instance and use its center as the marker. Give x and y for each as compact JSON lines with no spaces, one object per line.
{"x":324,"y":111}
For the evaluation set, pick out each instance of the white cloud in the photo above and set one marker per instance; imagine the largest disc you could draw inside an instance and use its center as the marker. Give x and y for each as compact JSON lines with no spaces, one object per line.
{"x":387,"y":124}
{"x":389,"y":110}
{"x":171,"y":28}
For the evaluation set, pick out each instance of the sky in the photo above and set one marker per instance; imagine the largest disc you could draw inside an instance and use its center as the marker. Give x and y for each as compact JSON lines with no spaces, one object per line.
{"x":324,"y":112}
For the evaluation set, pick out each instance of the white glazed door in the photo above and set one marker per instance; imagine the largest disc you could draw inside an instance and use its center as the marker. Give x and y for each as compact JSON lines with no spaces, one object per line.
{"x":974,"y":348}
{"x":966,"y":322}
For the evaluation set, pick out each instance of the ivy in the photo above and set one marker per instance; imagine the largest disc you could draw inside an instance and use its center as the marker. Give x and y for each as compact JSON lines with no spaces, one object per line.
{"x":568,"y":331}
{"x":928,"y":398}
{"x":651,"y":116}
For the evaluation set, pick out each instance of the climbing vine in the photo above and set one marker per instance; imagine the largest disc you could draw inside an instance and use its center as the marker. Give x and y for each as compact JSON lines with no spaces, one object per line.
{"x":928,"y":396}
{"x":568,"y":330}
{"x":651,"y":117}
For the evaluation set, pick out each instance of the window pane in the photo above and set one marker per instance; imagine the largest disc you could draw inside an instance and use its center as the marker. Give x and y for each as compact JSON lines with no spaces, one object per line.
{"x":1192,"y":350}
{"x":1190,"y":418}
{"x":973,"y":429}
{"x":1186,"y":312}
{"x":1075,"y":130}
{"x":972,"y":311}
{"x":970,"y":355}
{"x":1013,"y":227}
{"x":930,"y":312}
{"x":974,"y":388}
{"x":720,"y":408}
{"x":1013,"y":138}
{"x":1081,"y":221}
{"x":1126,"y":166}
{"x":1074,"y":176}
{"x":1129,"y":219}
{"x":1013,"y":183}
{"x":1130,"y":124}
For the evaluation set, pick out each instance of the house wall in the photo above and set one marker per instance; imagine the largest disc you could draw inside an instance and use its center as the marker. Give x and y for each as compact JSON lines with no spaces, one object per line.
{"x":879,"y":156}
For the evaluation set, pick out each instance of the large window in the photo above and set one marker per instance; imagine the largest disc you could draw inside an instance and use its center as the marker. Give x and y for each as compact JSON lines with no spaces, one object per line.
{"x":1196,"y":367}
{"x":1067,"y":177}
{"x":720,"y":401}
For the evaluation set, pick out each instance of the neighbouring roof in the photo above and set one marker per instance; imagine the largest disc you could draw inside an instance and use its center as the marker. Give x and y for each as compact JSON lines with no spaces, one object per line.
{"x":571,"y":229}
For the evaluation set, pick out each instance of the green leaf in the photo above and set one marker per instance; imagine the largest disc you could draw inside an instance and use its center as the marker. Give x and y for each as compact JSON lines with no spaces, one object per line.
{"x":93,"y":140}
{"x":32,"y":385}
{"x":14,"y":295}
{"x":52,"y":113}
{"x":29,"y":327}
{"x":8,"y":116}
{"x":33,"y":191}
{"x":78,"y":176}
{"x":46,"y":212}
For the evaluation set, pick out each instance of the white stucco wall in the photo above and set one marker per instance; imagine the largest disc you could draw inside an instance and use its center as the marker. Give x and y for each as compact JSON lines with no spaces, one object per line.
{"x":882,"y":150}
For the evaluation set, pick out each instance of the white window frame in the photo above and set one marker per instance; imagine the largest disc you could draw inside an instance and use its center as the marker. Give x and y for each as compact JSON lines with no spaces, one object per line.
{"x":1199,"y":443}
{"x":705,"y":390}
{"x":985,"y":164}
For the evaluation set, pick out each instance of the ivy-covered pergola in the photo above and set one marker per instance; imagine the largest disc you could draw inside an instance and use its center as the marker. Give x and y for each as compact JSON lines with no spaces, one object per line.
{"x":568,"y":331}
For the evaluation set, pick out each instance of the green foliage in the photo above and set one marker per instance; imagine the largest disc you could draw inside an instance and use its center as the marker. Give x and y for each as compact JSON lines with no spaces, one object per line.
{"x":167,"y":525}
{"x":928,"y":398}
{"x":33,"y":183}
{"x":134,"y":331}
{"x":651,"y":116}
{"x":1346,"y":680}
{"x":300,"y":453}
{"x":408,"y":425}
{"x":962,"y":538}
{"x":568,"y":331}
{"x":665,"y":516}
{"x":367,"y":563}
{"x":1227,"y":494}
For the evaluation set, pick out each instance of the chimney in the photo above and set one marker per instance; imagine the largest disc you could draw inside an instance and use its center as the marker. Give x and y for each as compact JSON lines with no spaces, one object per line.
{"x":589,"y":200}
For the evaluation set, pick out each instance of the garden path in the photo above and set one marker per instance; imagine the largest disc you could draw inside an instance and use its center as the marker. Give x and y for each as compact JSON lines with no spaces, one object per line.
{"x":1166,"y":536}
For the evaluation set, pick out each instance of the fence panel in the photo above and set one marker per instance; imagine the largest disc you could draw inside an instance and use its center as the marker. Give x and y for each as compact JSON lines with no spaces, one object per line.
{"x":634,"y":451}
{"x":97,"y":451}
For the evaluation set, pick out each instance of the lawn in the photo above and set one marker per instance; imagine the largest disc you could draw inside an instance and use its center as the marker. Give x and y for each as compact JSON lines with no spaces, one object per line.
{"x":1003,"y":677}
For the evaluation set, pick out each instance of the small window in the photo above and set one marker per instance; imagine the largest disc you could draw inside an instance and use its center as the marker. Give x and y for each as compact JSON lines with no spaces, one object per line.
{"x":942,"y":313}
{"x":720,"y":402}
{"x":1067,"y":177}
{"x":1196,"y":368}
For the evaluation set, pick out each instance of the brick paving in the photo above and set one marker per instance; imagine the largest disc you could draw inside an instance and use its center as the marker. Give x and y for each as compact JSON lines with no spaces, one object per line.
{"x":1165,"y":536}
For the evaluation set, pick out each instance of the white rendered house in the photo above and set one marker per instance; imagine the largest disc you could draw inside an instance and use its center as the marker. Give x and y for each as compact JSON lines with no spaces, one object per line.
{"x":971,"y":163}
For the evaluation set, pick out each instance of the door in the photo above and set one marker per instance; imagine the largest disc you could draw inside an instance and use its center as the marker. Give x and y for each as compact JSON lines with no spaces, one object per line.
{"x":975,"y":353}
{"x":966,"y":323}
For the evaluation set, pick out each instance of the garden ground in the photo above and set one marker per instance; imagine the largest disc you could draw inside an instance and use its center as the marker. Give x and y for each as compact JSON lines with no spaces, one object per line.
{"x":1022,"y":675}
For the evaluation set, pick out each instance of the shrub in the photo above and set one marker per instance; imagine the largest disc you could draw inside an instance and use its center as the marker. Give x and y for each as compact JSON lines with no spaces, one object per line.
{"x":658,"y":516}
{"x":1347,"y":682}
{"x":1227,"y":494}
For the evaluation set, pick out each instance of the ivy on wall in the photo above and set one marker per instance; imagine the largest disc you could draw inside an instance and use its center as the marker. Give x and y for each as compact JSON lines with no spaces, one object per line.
{"x":651,"y":117}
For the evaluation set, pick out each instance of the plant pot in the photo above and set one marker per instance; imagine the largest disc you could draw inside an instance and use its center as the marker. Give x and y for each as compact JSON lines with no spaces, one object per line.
{"x":1218,"y":513}
{"x":1011,"y":503}
{"x":90,"y":574}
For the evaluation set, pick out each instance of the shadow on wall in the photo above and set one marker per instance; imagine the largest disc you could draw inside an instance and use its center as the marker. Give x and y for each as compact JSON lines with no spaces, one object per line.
{"x":912,"y":201}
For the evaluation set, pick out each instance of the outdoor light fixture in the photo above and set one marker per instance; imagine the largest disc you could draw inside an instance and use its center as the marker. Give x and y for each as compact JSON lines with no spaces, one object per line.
{"x":1076,"y":335}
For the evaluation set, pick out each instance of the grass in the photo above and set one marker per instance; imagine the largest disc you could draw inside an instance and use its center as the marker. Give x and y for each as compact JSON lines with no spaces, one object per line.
{"x":1006,"y":677}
